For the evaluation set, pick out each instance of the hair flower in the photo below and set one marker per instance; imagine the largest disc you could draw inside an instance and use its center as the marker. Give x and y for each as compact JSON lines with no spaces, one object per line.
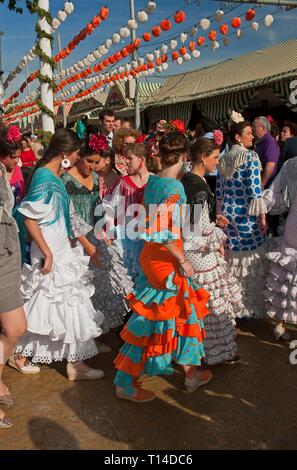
{"x":178,"y":125}
{"x":98,"y":143}
{"x":218,"y":137}
{"x":236,"y":117}
{"x":14,"y":134}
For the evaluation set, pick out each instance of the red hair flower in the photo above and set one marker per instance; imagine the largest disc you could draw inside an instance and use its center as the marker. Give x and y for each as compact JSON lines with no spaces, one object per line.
{"x":178,"y":125}
{"x":98,"y":143}
{"x":14,"y":134}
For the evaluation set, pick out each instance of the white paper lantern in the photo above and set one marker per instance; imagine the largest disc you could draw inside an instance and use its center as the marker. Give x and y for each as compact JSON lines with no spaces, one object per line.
{"x":219,"y":15}
{"x":132,"y":24}
{"x":255,"y":26}
{"x":157,"y":53}
{"x":63,"y":74}
{"x":130,"y":78}
{"x":76,"y":67}
{"x":145,"y":73}
{"x":151,"y":71}
{"x":86,"y":62}
{"x":165,"y":66}
{"x":214,"y":45}
{"x":80,"y":64}
{"x":102,"y":49}
{"x":61,"y":15}
{"x":179,"y":60}
{"x":128,"y":67}
{"x":116,"y":38}
{"x":226,"y":41}
{"x":134,"y":64}
{"x":183,"y":37}
{"x":125,"y":79}
{"x":108,"y":43}
{"x":91,"y":58}
{"x":173,"y":44}
{"x":268,"y":20}
{"x":159,"y":68}
{"x":124,"y":32}
{"x":194,"y":31}
{"x":97,"y":54}
{"x":239,"y":33}
{"x":142,"y":16}
{"x":121,"y":69}
{"x":196,"y":54}
{"x":55,"y":23}
{"x":141,"y":61}
{"x":69,"y":8}
{"x":150,"y":57}
{"x":164,"y":49}
{"x":151,"y":6}
{"x":204,"y":24}
{"x":186,"y":57}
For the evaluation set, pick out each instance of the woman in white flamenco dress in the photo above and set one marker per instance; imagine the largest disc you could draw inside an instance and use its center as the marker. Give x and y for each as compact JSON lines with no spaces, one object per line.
{"x":56,"y":287}
{"x":281,"y":283}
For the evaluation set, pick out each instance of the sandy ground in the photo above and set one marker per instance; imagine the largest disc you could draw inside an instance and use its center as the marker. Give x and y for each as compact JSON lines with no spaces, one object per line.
{"x":252,"y":405}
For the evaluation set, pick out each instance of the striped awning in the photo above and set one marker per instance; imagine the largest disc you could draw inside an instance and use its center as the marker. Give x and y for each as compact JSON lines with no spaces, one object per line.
{"x":240,"y":73}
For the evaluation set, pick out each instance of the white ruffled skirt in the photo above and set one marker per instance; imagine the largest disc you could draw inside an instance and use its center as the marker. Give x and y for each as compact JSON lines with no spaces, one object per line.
{"x":281,"y":284}
{"x":62,"y":322}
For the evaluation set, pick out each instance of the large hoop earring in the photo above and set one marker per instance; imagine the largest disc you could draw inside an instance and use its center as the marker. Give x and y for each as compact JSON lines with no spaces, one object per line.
{"x":65,"y":163}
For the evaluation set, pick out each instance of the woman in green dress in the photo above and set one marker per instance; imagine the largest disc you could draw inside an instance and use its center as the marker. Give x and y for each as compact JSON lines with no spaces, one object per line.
{"x":110,"y":277}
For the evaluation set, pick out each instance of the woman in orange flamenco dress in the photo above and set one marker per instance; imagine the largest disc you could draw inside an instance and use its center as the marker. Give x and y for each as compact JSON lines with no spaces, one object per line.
{"x":168,"y":306}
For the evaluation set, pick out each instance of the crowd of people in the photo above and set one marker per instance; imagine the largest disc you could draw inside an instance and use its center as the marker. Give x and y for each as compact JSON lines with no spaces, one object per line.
{"x":173,"y":237}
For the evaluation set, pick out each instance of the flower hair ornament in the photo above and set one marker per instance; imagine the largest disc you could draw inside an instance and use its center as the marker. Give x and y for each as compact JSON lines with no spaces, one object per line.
{"x":178,"y":125}
{"x":217,"y":136}
{"x":98,"y":143}
{"x":14,"y":134}
{"x":236,"y":117}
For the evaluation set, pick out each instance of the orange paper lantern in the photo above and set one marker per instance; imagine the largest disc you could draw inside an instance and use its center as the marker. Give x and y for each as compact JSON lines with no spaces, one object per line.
{"x":250,"y":14}
{"x":137,"y":43}
{"x":212,"y":35}
{"x":146,"y":37}
{"x":156,"y":30}
{"x":201,"y":41}
{"x":179,"y":16}
{"x":96,"y":21}
{"x":192,"y":46}
{"x":104,"y":12}
{"x":236,"y":22}
{"x":183,"y":50}
{"x":224,"y":29}
{"x":166,"y":24}
{"x":175,"y":55}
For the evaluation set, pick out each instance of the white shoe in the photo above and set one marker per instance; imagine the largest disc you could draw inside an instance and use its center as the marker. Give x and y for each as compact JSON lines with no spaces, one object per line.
{"x":83,"y":373}
{"x":281,"y":333}
{"x":28,"y":368}
{"x":197,"y":380}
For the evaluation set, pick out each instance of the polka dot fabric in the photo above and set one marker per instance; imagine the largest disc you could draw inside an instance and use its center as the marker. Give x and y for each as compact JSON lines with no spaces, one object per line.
{"x":236,"y":195}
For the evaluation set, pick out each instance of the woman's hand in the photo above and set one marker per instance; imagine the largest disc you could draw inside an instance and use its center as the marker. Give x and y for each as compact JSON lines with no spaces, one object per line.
{"x":187,"y":268}
{"x":47,"y":264}
{"x":263,"y":223}
{"x":222,"y":222}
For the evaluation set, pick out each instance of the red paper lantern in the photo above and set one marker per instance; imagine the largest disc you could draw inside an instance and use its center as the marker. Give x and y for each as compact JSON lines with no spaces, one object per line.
{"x":83,"y":34}
{"x":146,"y":37}
{"x":179,"y":16}
{"x":124,"y":52}
{"x":137,"y":43}
{"x":89,"y":28}
{"x":192,"y":46}
{"x":166,"y":24}
{"x":164,"y":58}
{"x":183,"y":50}
{"x":201,"y":41}
{"x":130,"y":48}
{"x":156,"y":30}
{"x":150,"y":65}
{"x":224,"y":29}
{"x":175,"y":55}
{"x":236,"y":22}
{"x":96,"y":21}
{"x":212,"y":35}
{"x":250,"y":14}
{"x":104,"y":12}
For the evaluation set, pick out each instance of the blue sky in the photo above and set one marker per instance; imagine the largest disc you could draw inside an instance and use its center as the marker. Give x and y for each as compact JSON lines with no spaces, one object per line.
{"x":19,"y":34}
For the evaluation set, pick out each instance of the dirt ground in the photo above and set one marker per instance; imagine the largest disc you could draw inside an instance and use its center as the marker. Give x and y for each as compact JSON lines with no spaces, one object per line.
{"x":251,"y":405}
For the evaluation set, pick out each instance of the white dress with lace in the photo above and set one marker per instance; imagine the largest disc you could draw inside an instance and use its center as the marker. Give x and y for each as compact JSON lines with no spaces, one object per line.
{"x":62,"y":322}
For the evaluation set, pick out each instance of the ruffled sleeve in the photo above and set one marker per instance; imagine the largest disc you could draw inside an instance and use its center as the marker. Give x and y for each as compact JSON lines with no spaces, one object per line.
{"x":276,"y":196}
{"x":79,"y":227}
{"x":253,"y":181}
{"x":164,"y":221}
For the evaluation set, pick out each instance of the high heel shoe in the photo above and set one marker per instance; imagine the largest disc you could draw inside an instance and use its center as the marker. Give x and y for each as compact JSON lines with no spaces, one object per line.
{"x":281,"y":333}
{"x":197,"y":380}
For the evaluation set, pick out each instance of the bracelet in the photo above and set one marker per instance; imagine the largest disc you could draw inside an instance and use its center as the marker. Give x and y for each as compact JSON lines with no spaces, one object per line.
{"x":182,"y":262}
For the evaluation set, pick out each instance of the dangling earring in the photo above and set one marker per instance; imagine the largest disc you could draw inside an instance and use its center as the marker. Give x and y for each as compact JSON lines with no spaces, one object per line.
{"x":65,"y":163}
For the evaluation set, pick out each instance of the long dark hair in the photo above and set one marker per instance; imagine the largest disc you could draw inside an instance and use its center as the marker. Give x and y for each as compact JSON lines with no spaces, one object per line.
{"x":238,"y":128}
{"x":63,"y":141}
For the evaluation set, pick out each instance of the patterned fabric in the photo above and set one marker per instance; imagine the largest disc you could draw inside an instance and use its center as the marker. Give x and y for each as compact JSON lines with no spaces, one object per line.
{"x":236,"y":195}
{"x":281,"y":283}
{"x":110,"y":280}
{"x":44,"y":187}
{"x":239,"y":199}
{"x":212,"y":273}
{"x":8,"y":228}
{"x":167,"y":323}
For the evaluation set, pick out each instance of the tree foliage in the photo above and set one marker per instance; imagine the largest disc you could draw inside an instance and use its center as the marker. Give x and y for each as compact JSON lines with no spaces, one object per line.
{"x":17,"y":5}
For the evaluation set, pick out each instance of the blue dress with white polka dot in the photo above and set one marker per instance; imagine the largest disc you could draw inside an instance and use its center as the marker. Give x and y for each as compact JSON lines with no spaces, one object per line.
{"x":235,"y":195}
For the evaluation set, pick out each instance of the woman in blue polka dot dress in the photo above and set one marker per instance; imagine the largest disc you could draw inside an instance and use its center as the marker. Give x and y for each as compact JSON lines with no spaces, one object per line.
{"x":239,"y":199}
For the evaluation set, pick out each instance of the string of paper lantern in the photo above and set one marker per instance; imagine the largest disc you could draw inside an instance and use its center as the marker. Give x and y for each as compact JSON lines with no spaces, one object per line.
{"x":88,"y":30}
{"x":142,"y":16}
{"x":31,"y":55}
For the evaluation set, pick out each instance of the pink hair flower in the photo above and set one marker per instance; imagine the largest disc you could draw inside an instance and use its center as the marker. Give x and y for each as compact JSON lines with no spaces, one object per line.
{"x":14,"y":134}
{"x":98,"y":143}
{"x":218,"y":137}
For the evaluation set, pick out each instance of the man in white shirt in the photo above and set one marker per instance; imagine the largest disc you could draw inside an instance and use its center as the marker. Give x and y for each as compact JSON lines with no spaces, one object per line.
{"x":106,"y":121}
